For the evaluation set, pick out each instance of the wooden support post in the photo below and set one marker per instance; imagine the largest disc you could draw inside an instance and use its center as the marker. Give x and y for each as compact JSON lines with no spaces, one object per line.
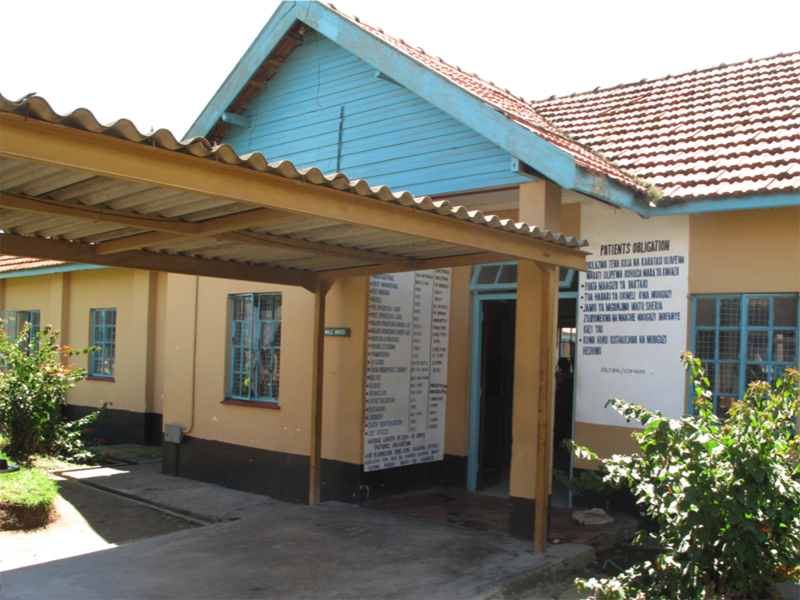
{"x":315,"y":467}
{"x":544,"y":460}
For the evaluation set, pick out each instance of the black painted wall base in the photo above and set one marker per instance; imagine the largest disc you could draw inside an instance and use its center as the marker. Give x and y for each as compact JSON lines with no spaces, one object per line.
{"x":120,"y":426}
{"x":285,"y":476}
{"x":521,"y":517}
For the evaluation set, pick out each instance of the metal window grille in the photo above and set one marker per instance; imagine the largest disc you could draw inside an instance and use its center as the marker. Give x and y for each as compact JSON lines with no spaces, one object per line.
{"x":14,"y":320}
{"x":744,"y":338}
{"x":255,"y":347}
{"x":104,"y":336}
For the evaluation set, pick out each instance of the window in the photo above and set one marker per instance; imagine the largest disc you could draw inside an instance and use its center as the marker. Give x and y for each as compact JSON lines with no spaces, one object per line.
{"x":741,"y":339}
{"x":503,"y":276}
{"x":104,"y":336}
{"x":14,"y":320}
{"x":255,"y":347}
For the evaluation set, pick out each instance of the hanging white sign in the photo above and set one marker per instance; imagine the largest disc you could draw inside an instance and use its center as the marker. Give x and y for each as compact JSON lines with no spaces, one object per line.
{"x":409,"y":320}
{"x":632,"y":315}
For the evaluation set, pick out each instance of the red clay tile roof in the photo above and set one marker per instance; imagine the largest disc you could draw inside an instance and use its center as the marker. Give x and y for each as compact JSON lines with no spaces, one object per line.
{"x":20,"y":263}
{"x":512,"y":106}
{"x":729,"y":130}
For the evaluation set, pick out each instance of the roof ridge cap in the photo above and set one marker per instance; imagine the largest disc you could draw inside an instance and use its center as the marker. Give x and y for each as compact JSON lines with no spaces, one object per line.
{"x":665,"y":77}
{"x":421,"y":50}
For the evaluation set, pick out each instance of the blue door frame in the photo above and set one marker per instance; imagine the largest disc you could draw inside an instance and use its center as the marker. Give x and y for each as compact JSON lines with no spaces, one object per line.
{"x":497,"y":288}
{"x":475,"y":382}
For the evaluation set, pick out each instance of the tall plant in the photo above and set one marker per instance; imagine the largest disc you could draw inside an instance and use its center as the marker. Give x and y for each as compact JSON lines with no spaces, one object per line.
{"x":33,"y":387}
{"x":725,"y":493}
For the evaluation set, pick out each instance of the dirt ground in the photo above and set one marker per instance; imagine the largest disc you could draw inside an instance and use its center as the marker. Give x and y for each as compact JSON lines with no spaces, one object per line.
{"x":85,"y":520}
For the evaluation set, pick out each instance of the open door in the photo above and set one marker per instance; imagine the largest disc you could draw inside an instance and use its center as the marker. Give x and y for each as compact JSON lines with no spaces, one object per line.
{"x":496,"y":399}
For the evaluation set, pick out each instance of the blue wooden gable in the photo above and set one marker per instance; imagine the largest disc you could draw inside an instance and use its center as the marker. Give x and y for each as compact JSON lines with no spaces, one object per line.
{"x":327,"y":108}
{"x":420,"y":149}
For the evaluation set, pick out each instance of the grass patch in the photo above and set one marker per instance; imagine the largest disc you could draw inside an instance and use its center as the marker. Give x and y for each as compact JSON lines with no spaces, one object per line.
{"x":29,"y":488}
{"x":26,"y":497}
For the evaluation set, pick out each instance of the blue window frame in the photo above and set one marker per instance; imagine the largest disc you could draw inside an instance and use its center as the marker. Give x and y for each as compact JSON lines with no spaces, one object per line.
{"x":498,"y":277}
{"x":744,"y":338}
{"x":255,"y":347}
{"x":104,"y":336}
{"x":14,"y":320}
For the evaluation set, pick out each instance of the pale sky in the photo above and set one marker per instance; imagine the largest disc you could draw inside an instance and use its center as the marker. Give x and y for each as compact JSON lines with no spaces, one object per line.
{"x":158,"y":63}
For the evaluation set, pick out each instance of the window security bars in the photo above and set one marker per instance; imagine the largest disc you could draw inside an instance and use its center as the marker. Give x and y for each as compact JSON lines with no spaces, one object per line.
{"x":255,"y":347}
{"x":13,"y":321}
{"x":744,"y":338}
{"x":104,"y":336}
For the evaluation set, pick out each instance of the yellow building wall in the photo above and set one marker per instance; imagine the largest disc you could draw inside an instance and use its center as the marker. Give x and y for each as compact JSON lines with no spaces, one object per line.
{"x":571,"y":220}
{"x":65,"y":300}
{"x":129,"y":292}
{"x":740,"y":252}
{"x":195,"y":371}
{"x":345,"y":372}
{"x":33,"y":293}
{"x":195,"y":387}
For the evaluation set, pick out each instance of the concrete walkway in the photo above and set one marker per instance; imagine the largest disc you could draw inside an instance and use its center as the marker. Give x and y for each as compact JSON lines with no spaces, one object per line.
{"x":203,"y":502}
{"x":276,"y":550}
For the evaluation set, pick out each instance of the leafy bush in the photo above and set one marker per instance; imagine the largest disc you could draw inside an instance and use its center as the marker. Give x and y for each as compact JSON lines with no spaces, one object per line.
{"x":33,"y":387}
{"x":725,"y":493}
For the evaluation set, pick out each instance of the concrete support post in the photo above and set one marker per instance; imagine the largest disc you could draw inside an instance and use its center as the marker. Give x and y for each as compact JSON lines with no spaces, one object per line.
{"x":534,"y":371}
{"x":179,"y":357}
{"x":318,"y":358}
{"x":140,"y":342}
{"x":59,"y":307}
{"x":540,"y":205}
{"x":545,"y":403}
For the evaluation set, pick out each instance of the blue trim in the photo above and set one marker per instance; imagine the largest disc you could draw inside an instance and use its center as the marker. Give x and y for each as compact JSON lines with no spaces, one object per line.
{"x":568,"y":279}
{"x":604,"y":188}
{"x":508,"y":284}
{"x":257,"y":381}
{"x":280,"y":22}
{"x":14,"y":320}
{"x":103,"y":322}
{"x":475,"y":384}
{"x":474,"y":286}
{"x":50,"y":270}
{"x":749,"y":202}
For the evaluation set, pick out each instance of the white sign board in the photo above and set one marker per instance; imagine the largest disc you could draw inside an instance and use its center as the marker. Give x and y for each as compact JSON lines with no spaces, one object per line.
{"x":409,"y":316}
{"x":632,"y":314}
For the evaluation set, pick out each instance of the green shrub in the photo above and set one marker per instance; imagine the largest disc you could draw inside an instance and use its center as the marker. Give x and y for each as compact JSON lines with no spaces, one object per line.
{"x":725,"y":493}
{"x":33,"y":387}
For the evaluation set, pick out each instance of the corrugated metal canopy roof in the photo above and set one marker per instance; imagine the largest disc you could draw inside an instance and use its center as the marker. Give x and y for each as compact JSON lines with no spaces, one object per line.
{"x":62,"y":181}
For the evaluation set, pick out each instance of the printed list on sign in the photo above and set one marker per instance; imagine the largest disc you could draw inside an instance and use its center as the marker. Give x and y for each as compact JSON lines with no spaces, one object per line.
{"x":406,"y":387}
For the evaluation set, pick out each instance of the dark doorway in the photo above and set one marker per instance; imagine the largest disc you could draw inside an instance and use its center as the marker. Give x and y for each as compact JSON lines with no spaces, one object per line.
{"x":564,"y":396}
{"x":497,"y":394}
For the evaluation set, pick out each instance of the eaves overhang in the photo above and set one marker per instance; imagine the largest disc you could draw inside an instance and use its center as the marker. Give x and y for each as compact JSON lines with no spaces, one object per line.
{"x":74,"y":190}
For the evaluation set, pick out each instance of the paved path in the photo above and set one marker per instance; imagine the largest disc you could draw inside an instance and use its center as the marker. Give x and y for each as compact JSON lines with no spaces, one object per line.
{"x":256,"y":547}
{"x":205,"y":502}
{"x":331,"y":551}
